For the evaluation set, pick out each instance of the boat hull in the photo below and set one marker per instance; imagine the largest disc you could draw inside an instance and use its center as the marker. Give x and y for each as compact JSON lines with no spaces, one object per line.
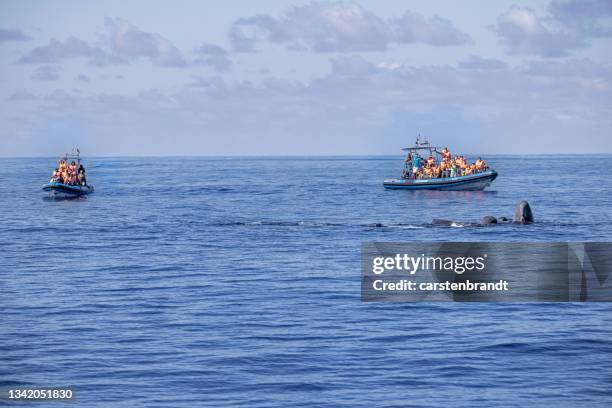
{"x":472,"y":182}
{"x":60,"y":190}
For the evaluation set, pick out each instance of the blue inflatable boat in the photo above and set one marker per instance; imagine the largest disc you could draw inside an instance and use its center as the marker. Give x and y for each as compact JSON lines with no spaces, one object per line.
{"x":61,"y":190}
{"x":415,"y":161}
{"x":57,"y":189}
{"x":477,"y":181}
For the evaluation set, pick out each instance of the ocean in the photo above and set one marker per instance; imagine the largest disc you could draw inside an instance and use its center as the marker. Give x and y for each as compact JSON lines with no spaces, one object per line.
{"x":235,"y":281}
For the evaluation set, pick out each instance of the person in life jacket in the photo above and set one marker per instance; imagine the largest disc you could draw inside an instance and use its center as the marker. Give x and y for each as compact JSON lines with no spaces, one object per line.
{"x":480,"y":164}
{"x":443,"y":168}
{"x":431,"y":161}
{"x":416,"y":163}
{"x":56,"y":176}
{"x":446,"y":154}
{"x":458,"y":162}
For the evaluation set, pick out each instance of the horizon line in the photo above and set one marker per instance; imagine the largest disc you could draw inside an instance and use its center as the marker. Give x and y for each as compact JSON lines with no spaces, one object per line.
{"x":296,"y":155}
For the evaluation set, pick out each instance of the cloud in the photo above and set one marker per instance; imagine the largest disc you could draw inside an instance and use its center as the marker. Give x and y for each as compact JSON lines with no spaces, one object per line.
{"x":21,"y":95}
{"x":130,"y":43}
{"x":413,"y":28}
{"x":568,"y":27}
{"x":122,"y":43}
{"x":56,"y":51}
{"x":523,"y":33}
{"x":82,"y":78}
{"x":12,"y":34}
{"x":213,"y":56}
{"x":353,"y":66}
{"x":587,"y":17}
{"x":46,"y":73}
{"x":480,"y":63}
{"x":359,"y":106}
{"x":341,"y":27}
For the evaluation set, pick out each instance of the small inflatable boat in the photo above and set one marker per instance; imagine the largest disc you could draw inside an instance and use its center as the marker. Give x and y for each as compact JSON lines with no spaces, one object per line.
{"x":477,"y":181}
{"x":480,"y":179}
{"x":60,"y":190}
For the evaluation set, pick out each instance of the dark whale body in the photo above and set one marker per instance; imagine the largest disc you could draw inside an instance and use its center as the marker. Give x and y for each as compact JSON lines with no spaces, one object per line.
{"x":488,"y":220}
{"x":522,"y":215}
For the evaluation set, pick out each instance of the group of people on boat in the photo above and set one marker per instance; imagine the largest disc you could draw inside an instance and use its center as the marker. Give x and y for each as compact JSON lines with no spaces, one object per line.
{"x":418,"y":168}
{"x":69,"y":173}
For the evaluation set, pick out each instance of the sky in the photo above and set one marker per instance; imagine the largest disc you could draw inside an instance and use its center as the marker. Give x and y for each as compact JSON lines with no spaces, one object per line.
{"x":304,"y":77}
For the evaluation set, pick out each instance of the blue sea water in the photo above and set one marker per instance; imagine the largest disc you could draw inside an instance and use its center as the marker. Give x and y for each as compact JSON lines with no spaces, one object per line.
{"x":227,"y":282}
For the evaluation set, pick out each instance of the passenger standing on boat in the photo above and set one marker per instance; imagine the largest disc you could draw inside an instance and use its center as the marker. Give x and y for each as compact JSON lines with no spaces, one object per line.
{"x":408,"y":159}
{"x":416,"y":165}
{"x":453,"y":169}
{"x":446,"y":154}
{"x":442,"y":169}
{"x":81,"y":176}
{"x":407,"y":166}
{"x":431,"y":161}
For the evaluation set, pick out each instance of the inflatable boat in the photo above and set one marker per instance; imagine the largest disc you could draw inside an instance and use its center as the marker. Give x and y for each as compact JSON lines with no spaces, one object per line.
{"x":61,"y":190}
{"x":477,"y":181}
{"x":57,"y":189}
{"x":417,"y":174}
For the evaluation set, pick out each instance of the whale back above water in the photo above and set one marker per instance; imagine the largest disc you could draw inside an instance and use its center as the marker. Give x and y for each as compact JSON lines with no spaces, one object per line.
{"x":523,"y":213}
{"x":488,"y":220}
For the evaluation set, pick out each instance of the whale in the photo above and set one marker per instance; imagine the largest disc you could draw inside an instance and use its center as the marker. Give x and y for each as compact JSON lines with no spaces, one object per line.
{"x":522,"y":215}
{"x":488,"y":220}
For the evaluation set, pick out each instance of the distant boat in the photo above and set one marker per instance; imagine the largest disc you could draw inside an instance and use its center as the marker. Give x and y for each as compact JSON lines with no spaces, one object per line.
{"x":62,"y":190}
{"x":475,"y":181}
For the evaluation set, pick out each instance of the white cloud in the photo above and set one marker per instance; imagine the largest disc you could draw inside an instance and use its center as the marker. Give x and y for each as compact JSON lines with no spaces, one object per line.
{"x":590,"y":18}
{"x":523,"y":33}
{"x":213,"y":56}
{"x":121,"y":43}
{"x":568,"y":27}
{"x":477,"y":62}
{"x":129,"y":42}
{"x":357,"y":107}
{"x":342,"y":27}
{"x":47,"y":73}
{"x":57,"y":50}
{"x":12,"y":34}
